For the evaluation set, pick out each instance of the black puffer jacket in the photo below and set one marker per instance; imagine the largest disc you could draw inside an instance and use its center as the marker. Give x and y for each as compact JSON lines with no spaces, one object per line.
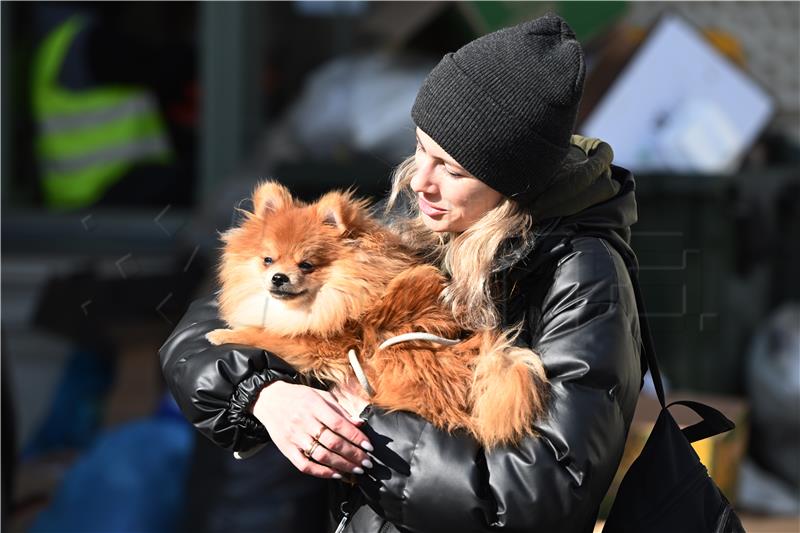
{"x":574,"y":292}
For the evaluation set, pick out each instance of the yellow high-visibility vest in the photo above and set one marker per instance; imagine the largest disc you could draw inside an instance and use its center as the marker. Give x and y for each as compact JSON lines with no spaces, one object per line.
{"x":88,"y":139}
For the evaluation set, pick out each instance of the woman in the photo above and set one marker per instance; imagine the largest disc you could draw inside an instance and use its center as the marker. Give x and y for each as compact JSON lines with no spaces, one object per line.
{"x":532,"y":225}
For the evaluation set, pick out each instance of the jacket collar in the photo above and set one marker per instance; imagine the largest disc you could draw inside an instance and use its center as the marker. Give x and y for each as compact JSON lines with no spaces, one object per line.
{"x":610,"y":219}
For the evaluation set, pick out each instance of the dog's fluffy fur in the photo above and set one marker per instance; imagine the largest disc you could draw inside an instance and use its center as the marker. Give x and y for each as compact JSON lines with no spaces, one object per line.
{"x":310,"y":282}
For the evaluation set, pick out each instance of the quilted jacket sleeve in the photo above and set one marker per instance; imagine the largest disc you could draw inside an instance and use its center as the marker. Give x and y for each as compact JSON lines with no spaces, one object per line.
{"x":215,"y":386}
{"x":589,"y":341}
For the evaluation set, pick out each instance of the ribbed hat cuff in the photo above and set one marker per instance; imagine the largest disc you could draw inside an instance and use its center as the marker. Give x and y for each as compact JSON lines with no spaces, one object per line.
{"x":471,"y":127}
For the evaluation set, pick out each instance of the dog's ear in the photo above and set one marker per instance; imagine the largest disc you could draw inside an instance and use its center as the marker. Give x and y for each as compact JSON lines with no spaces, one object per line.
{"x":271,"y":196}
{"x":343,"y":212}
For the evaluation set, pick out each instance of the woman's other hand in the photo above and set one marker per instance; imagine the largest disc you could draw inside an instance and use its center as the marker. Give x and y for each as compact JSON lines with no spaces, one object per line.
{"x":302,"y":419}
{"x":350,"y":395}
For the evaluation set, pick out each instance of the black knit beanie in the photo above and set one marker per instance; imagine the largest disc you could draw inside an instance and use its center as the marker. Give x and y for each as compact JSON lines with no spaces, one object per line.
{"x":504,"y":105}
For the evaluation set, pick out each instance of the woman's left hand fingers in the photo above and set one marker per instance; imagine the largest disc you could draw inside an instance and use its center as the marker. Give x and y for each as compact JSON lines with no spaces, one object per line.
{"x":341,"y":454}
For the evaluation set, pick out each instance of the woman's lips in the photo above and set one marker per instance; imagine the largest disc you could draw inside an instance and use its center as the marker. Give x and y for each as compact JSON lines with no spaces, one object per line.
{"x":428,"y":209}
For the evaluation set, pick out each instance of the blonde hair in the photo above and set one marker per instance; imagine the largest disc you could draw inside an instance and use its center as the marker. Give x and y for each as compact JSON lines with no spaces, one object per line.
{"x":469,"y":258}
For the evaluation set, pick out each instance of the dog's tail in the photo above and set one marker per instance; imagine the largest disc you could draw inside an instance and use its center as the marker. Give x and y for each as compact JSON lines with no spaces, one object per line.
{"x":509,"y":389}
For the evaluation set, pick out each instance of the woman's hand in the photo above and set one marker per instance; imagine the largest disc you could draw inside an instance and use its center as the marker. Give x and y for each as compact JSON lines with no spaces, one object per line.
{"x":302,"y":419}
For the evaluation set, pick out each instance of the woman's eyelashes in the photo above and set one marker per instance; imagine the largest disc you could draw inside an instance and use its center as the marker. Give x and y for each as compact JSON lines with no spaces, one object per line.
{"x":453,"y":173}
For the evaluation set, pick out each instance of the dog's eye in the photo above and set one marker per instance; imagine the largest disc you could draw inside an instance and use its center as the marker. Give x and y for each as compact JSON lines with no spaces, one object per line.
{"x":267,"y":260}
{"x":305,"y":266}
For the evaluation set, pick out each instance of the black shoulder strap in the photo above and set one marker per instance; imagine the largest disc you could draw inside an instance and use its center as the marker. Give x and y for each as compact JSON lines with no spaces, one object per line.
{"x":648,"y":347}
{"x":713,"y":422}
{"x":644,"y":327}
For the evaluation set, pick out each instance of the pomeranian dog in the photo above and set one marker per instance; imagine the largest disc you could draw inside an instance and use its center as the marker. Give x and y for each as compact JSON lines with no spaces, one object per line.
{"x":311,"y":282}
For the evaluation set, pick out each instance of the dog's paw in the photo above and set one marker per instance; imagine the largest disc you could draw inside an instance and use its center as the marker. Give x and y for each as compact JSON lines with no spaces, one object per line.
{"x":219,"y":336}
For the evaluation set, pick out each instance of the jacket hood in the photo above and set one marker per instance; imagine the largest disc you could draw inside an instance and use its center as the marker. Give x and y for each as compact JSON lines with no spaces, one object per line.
{"x":584,"y":179}
{"x":605,"y":201}
{"x":590,"y":195}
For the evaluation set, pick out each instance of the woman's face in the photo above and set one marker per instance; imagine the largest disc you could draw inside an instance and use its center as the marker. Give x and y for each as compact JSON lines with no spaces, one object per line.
{"x":450,"y":199}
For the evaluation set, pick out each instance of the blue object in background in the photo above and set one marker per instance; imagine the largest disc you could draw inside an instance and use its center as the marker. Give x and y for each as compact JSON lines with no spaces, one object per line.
{"x":76,"y":410}
{"x":132,"y":479}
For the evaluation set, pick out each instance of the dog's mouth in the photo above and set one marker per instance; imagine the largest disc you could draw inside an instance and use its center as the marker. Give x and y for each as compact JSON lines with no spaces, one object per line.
{"x":286,"y":295}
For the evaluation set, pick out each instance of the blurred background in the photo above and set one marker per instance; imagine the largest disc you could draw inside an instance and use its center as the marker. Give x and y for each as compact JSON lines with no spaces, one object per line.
{"x":130,"y":131}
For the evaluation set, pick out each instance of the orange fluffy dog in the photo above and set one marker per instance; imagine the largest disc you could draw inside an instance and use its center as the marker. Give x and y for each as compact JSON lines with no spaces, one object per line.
{"x":312,"y":282}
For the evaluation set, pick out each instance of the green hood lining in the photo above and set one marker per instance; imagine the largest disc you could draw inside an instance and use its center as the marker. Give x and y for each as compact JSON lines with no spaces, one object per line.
{"x":583,"y":180}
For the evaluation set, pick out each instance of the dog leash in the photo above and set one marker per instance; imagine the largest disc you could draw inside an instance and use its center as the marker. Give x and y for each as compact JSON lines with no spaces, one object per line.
{"x":397,"y":339}
{"x":360,"y":375}
{"x":417,"y":336}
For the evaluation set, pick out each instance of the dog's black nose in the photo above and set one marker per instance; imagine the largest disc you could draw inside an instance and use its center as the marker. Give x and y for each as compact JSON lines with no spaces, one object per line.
{"x":280,"y":279}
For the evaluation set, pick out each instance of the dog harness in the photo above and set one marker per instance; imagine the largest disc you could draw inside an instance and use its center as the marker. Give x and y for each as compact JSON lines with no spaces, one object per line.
{"x":397,"y":339}
{"x":359,"y":371}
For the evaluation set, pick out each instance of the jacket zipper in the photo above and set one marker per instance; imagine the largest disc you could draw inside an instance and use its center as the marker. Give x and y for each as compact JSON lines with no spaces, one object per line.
{"x":343,"y":521}
{"x":345,"y":517}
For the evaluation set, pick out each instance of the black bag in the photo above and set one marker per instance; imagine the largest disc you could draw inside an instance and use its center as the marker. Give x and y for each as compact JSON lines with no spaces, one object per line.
{"x":667,"y":489}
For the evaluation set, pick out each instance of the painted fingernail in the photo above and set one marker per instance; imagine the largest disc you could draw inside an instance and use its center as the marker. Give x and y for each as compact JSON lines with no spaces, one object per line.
{"x":337,"y":476}
{"x":367,"y":463}
{"x":367,"y":446}
{"x":358,"y":470}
